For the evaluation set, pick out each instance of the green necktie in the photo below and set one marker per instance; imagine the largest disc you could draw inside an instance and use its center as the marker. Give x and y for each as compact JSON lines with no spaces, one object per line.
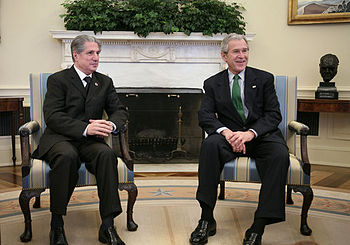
{"x":236,"y":97}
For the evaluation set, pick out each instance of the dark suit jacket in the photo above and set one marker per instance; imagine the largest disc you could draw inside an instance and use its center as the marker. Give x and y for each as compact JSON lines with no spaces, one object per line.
{"x":67,"y":108}
{"x":217,"y":109}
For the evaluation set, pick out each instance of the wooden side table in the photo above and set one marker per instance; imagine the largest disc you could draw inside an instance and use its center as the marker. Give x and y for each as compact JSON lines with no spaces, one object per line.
{"x":13,"y":104}
{"x":309,"y":110}
{"x":323,"y":105}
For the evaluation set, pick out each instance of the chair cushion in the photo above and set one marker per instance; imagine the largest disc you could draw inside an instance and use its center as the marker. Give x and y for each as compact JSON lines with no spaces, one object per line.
{"x":38,"y":176}
{"x":243,"y":169}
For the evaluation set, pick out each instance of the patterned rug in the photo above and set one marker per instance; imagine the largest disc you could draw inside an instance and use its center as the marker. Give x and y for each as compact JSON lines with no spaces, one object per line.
{"x":174,"y":201}
{"x":324,"y":201}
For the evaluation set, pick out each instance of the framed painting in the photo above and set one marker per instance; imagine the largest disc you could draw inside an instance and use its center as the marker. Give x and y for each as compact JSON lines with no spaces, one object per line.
{"x":318,"y":11}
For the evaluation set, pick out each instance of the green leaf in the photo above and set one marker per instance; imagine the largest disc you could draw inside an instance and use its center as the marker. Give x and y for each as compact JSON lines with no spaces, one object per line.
{"x":145,"y":16}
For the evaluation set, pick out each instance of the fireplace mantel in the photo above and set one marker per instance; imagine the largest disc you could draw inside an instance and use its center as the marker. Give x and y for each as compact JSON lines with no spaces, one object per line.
{"x":159,"y":60}
{"x":154,"y":36}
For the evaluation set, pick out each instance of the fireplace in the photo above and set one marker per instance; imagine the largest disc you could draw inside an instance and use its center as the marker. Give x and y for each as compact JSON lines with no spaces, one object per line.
{"x":163,"y":124}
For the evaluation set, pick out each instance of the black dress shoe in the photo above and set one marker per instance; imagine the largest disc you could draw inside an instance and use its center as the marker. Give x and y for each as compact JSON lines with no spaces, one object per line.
{"x":203,"y":230}
{"x":57,"y":236}
{"x":252,"y":238}
{"x":109,"y":236}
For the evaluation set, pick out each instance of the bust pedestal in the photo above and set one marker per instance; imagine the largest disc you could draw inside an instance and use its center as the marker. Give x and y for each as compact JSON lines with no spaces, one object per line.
{"x":326,"y":91}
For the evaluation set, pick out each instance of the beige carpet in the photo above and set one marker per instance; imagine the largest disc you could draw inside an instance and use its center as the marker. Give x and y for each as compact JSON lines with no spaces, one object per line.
{"x":167,"y":212}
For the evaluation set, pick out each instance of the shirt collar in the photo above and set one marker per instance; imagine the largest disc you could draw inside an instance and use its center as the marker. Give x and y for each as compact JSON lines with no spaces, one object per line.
{"x":81,"y":74}
{"x":231,"y":75}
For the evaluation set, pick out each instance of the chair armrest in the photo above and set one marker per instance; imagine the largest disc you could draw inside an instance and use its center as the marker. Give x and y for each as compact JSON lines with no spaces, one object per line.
{"x":24,"y":131}
{"x":124,"y":147}
{"x":298,"y":128}
{"x":303,"y":131}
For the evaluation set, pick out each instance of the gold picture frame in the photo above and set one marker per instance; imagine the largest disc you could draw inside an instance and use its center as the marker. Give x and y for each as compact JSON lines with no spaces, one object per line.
{"x":313,"y":13}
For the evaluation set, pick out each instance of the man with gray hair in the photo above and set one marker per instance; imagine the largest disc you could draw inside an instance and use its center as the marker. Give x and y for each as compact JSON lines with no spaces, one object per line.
{"x":73,"y":112}
{"x":240,"y":113}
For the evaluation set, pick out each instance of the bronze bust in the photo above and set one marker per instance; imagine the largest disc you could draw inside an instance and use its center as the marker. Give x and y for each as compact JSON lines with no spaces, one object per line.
{"x":328,"y":69}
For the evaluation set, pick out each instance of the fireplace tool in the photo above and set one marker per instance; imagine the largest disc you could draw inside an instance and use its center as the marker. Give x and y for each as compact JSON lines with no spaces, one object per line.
{"x":179,"y":136}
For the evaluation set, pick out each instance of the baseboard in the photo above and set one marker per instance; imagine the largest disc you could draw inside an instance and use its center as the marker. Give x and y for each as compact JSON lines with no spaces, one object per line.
{"x":337,"y":164}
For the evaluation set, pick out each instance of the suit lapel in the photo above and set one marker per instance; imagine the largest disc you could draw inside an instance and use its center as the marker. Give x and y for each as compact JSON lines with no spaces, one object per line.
{"x":250,"y":89}
{"x":225,"y":88}
{"x":76,"y":82}
{"x":94,"y":87}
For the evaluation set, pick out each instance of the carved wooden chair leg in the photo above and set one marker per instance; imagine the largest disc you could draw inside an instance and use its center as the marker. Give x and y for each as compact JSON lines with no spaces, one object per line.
{"x":289,"y":195}
{"x":222,"y":190}
{"x":132,"y":194}
{"x":37,"y":202}
{"x":308,"y":197}
{"x":24,"y":199}
{"x":131,"y":188}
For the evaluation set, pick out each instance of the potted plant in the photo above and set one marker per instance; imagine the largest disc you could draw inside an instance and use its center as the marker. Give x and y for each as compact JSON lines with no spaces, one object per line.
{"x":145,"y":16}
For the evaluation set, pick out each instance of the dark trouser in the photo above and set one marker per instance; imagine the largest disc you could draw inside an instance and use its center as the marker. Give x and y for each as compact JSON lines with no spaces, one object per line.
{"x":100,"y":160}
{"x":272,"y":161}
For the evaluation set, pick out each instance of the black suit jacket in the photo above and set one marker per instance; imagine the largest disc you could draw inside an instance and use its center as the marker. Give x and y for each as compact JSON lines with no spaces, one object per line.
{"x":67,"y":108}
{"x":217,"y":109}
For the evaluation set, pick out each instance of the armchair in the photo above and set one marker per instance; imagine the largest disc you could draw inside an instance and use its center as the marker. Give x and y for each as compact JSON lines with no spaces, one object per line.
{"x":35,"y":173}
{"x":243,"y":169}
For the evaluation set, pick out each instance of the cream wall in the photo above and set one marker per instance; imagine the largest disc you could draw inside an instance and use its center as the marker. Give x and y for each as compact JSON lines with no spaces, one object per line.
{"x":26,"y":46}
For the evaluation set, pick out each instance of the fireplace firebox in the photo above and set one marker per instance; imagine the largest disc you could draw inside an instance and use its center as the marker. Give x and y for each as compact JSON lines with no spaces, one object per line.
{"x":163,"y":124}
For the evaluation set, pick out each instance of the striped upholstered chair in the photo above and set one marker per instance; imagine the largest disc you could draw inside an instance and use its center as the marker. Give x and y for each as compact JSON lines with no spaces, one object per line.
{"x":35,"y":173}
{"x":243,"y":169}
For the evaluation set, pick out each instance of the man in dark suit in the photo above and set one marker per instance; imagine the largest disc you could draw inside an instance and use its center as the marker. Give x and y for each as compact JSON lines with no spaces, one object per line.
{"x":73,"y":111}
{"x":240,"y":113}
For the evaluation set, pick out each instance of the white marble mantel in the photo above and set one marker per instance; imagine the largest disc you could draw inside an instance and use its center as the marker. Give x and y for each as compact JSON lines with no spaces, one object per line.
{"x":159,"y":60}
